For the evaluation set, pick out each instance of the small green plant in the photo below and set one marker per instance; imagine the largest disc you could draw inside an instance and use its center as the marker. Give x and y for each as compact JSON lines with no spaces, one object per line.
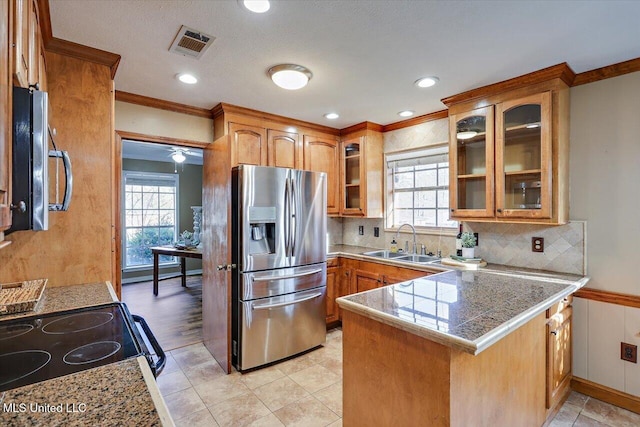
{"x":468,"y":240}
{"x":186,"y":235}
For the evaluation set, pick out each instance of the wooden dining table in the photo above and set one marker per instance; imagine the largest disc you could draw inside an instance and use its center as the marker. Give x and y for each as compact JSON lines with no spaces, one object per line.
{"x":183,"y":254}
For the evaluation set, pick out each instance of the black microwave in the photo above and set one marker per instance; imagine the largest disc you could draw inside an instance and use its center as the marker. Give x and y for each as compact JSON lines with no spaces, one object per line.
{"x":30,"y":160}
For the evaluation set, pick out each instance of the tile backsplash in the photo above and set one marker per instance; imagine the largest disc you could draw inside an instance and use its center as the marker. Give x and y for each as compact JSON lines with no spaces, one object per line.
{"x":507,"y":244}
{"x":510,"y":244}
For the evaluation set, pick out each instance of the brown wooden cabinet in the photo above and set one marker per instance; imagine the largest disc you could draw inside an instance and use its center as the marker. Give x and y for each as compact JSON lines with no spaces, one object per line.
{"x":21,"y":56}
{"x":5,"y":116}
{"x":321,"y":155}
{"x":361,"y":174}
{"x":559,"y":353}
{"x":509,"y":160}
{"x":283,"y":149}
{"x":248,"y":145}
{"x":365,"y":280}
{"x":335,"y":289}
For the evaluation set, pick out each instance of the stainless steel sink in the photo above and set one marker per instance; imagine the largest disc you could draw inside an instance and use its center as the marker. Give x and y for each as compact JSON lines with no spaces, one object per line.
{"x":418,"y":258}
{"x":385,"y":254}
{"x":401,"y":256}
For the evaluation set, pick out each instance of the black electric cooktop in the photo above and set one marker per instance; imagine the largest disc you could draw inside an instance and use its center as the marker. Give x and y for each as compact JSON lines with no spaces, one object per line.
{"x":37,"y":348}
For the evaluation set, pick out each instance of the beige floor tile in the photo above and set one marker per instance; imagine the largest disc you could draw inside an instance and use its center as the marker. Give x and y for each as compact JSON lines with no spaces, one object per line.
{"x":280,"y":393}
{"x":334,"y":333}
{"x":609,"y":414}
{"x":239,"y":411}
{"x":268,"y":421}
{"x":204,"y":372}
{"x":262,"y":376}
{"x":170,"y":366}
{"x":201,"y":418}
{"x":172,"y":382}
{"x":183,"y":403}
{"x":336,"y":424}
{"x":308,"y":412}
{"x":296,"y":364}
{"x":326,"y":352}
{"x":315,"y":378}
{"x":566,"y":416}
{"x":332,"y":364}
{"x":577,"y":399}
{"x":331,"y":397}
{"x":584,"y":421}
{"x":192,"y":355}
{"x":221,"y":389}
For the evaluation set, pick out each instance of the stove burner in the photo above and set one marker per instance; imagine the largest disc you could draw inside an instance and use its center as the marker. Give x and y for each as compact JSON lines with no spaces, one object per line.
{"x":12,"y":331}
{"x":90,"y":353}
{"x":19,"y":364}
{"x":77,"y":323}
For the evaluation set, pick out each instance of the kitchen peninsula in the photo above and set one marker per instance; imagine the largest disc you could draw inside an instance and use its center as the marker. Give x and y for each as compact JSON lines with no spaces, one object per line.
{"x":457,"y":348}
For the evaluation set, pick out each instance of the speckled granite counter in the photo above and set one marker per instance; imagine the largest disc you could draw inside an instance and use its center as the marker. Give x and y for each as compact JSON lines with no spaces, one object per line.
{"x":468,"y":310}
{"x":123,"y":393}
{"x":110,"y":395}
{"x":60,"y":298}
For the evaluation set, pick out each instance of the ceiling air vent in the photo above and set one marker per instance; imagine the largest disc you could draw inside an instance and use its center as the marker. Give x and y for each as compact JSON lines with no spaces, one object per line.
{"x":190,"y":42}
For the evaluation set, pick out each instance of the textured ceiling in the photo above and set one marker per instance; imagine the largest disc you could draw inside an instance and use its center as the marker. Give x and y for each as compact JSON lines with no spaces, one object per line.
{"x":365,"y":55}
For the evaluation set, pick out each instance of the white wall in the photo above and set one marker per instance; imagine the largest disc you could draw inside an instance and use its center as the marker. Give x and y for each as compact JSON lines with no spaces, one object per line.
{"x":156,"y":122}
{"x":605,"y":191}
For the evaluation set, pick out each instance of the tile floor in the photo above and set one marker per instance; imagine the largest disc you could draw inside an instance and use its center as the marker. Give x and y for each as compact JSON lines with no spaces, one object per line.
{"x":305,"y":391}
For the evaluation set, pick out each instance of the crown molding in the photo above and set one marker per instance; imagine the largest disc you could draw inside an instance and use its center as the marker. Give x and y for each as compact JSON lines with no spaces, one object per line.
{"x":613,"y":70}
{"x":161,"y":104}
{"x":360,"y":127}
{"x":437,"y":115}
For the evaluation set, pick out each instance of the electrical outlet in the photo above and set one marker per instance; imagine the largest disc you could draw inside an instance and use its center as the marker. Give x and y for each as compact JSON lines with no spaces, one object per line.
{"x":537,"y":244}
{"x":376,"y":231}
{"x":477,"y":239}
{"x":361,"y":230}
{"x":629,"y":352}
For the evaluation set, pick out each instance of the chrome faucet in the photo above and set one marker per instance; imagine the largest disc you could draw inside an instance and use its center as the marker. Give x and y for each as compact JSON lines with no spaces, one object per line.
{"x":414,"y":236}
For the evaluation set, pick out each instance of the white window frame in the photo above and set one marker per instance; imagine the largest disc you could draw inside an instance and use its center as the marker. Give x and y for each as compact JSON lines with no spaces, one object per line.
{"x":150,"y":175}
{"x":435,"y":149}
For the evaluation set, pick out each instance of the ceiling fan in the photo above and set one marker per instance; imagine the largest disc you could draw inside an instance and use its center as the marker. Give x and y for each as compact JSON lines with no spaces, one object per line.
{"x":179,"y":154}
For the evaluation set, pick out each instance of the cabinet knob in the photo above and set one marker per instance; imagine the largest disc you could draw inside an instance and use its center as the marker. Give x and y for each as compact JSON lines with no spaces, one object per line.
{"x":453,"y":210}
{"x":554,"y":333}
{"x":500,"y":210}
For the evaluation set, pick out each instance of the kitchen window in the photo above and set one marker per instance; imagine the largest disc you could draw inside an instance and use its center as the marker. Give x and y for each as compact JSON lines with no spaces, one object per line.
{"x":417,"y":193}
{"x":150,"y":217}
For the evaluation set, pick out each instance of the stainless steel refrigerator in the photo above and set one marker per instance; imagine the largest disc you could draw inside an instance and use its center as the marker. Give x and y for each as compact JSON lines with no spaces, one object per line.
{"x":279,"y":225}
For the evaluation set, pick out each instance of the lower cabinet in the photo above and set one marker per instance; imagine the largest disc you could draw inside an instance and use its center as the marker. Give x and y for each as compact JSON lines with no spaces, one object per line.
{"x":559,"y":363}
{"x":348,"y":276}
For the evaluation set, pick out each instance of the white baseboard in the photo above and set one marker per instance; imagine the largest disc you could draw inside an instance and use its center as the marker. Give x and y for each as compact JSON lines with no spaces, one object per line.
{"x":160,"y":277}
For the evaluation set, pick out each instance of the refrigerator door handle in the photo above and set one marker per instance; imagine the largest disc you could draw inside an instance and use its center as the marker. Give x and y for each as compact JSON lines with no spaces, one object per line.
{"x":287,"y":223}
{"x":283,"y":304}
{"x":288,"y":276}
{"x":293,"y":227}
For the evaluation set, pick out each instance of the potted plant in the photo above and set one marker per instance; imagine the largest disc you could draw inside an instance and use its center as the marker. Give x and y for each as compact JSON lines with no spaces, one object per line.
{"x":468,"y":244}
{"x":186,"y":237}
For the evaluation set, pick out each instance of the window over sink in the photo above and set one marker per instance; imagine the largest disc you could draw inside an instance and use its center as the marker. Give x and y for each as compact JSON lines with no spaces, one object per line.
{"x":417,"y":189}
{"x":150,"y":217}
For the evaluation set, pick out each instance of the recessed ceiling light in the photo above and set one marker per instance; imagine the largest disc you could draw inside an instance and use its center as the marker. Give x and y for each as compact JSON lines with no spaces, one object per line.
{"x":256,"y":6}
{"x":187,"y":78}
{"x":406,"y":113}
{"x":332,"y":116}
{"x":290,"y":76}
{"x":426,"y":81}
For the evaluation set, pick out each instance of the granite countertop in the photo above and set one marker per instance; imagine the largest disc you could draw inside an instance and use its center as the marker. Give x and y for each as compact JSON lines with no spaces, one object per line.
{"x":60,"y":298}
{"x":115,"y":394}
{"x":467,"y":310}
{"x":110,"y":395}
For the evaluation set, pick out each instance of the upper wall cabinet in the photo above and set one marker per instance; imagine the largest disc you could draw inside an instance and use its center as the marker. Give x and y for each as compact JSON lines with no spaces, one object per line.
{"x":321,"y":155}
{"x":284,"y":149}
{"x":5,"y":118}
{"x":27,"y":43}
{"x":361,"y":174}
{"x":509,"y":154}
{"x":248,"y":145}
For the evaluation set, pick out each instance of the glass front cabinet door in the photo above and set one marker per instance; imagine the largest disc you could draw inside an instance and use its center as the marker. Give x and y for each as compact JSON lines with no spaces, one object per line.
{"x":523,"y":157}
{"x":353,"y":182}
{"x":471,"y":154}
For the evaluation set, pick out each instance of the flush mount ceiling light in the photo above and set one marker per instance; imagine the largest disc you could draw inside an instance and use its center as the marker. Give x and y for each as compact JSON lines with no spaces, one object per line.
{"x":178,"y":156}
{"x":426,"y":81}
{"x":466,"y":134}
{"x":406,"y":113}
{"x":187,"y":78}
{"x":290,"y":76}
{"x":256,"y":6}
{"x":331,"y":116}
